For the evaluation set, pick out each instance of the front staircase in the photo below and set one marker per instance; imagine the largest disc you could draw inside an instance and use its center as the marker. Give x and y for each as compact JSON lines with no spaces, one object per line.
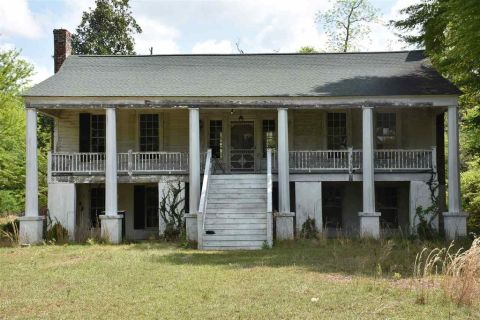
{"x":236,"y":212}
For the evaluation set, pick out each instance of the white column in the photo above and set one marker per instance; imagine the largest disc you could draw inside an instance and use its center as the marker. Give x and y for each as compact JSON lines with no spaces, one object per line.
{"x":454,"y":219}
{"x":369,"y":219}
{"x":31,"y":225}
{"x":111,"y":163}
{"x":283,"y":165}
{"x":194,"y":159}
{"x":111,"y":222}
{"x":31,"y":183}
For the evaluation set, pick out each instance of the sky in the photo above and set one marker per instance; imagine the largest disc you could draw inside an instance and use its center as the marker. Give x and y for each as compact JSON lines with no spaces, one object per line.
{"x":190,"y":26}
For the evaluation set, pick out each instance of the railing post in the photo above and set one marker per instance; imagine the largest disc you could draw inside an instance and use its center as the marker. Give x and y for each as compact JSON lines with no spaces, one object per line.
{"x":49,"y":167}
{"x":130,"y":162}
{"x":434,"y":159}
{"x":350,"y":160}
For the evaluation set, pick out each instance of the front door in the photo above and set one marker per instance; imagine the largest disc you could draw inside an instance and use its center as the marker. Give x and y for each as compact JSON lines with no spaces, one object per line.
{"x":242,"y":146}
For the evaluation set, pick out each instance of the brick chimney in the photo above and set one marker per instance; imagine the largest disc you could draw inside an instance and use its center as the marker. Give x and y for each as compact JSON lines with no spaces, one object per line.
{"x":62,"y":43}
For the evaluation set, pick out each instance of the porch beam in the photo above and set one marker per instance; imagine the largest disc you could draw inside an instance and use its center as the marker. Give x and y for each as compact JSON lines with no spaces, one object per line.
{"x":455,"y":221}
{"x":194,"y":159}
{"x":369,"y":218}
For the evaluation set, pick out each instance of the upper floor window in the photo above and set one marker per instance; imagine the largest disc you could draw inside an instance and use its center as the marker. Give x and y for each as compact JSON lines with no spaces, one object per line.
{"x":386,"y":129}
{"x":216,"y":138}
{"x":268,"y":129}
{"x":149,"y":132}
{"x":336,"y":130}
{"x":92,"y":132}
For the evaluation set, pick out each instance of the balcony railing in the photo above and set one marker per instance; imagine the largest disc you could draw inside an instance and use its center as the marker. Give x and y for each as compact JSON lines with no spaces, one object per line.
{"x":127,"y":163}
{"x":349,"y":161}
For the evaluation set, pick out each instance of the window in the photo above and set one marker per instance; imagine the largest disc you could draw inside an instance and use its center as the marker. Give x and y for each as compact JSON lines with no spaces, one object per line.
{"x":386,"y":128}
{"x":97,"y":133}
{"x":387,"y":204}
{"x":216,"y":138}
{"x":332,"y":206}
{"x":336,"y":130}
{"x":151,"y":207}
{"x":268,"y":129}
{"x":92,"y":132}
{"x":97,"y":205}
{"x":149,"y":132}
{"x":145,"y":202}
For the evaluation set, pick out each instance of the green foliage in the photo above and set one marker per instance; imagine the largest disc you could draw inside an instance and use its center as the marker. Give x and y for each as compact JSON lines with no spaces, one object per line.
{"x":172,"y":212}
{"x":307,"y":49}
{"x":14,"y":73}
{"x":471,"y":196}
{"x":107,"y":29}
{"x":309,"y":230}
{"x":448,"y":29}
{"x":347,"y":23}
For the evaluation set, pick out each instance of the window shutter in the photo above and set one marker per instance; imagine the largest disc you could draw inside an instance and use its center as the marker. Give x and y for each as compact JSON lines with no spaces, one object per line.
{"x":139,"y":207}
{"x":84,"y":131}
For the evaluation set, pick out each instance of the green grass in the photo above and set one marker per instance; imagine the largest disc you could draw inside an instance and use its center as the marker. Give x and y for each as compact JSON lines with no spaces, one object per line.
{"x":351,"y":279}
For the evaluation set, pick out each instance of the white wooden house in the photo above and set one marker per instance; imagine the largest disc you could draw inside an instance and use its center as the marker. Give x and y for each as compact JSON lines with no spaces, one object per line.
{"x":260,"y":142}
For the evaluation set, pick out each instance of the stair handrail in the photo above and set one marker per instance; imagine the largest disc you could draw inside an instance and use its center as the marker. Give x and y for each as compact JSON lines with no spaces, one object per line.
{"x":269,"y":199}
{"x":203,"y":196}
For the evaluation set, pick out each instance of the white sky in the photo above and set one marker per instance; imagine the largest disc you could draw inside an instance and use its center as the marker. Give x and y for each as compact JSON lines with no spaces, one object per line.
{"x":189,"y":26}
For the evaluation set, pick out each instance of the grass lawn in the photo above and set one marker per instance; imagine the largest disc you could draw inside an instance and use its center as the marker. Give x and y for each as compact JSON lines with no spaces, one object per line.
{"x":334,"y":279}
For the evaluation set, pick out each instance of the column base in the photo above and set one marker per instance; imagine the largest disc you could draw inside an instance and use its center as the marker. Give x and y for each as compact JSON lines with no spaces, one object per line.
{"x":455,"y":224}
{"x":191,"y":226}
{"x":369,"y":224}
{"x":284,"y":225}
{"x":112,"y":228}
{"x":31,"y":229}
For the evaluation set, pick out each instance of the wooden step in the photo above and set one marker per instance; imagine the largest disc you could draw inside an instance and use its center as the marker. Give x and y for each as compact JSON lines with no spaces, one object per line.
{"x":236,"y":226}
{"x":235,"y":215}
{"x":218,"y":248}
{"x":237,"y":191}
{"x":238,"y":176}
{"x":236,"y":205}
{"x":234,"y":243}
{"x":242,"y":237}
{"x":246,"y":200}
{"x":240,"y":232}
{"x":237,"y":210}
{"x":238,"y":195}
{"x":213,"y":222}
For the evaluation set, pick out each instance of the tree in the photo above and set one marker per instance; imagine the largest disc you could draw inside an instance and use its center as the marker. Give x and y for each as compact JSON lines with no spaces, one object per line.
{"x":14,"y":76}
{"x":107,"y":29}
{"x":14,"y":72}
{"x":347,"y":23}
{"x":307,"y":49}
{"x":449,"y":32}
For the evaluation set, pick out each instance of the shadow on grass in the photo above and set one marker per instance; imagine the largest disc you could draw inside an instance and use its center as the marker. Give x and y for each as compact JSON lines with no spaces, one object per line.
{"x":367,"y":257}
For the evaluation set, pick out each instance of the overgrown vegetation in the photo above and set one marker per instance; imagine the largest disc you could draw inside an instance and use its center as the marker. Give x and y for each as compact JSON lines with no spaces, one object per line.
{"x":457,"y":271}
{"x":307,"y":279}
{"x":172,"y":212}
{"x":309,"y":230}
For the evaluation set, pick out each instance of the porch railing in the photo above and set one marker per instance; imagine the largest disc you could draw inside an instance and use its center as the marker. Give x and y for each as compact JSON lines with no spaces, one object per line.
{"x":351,"y":160}
{"x":128,"y":162}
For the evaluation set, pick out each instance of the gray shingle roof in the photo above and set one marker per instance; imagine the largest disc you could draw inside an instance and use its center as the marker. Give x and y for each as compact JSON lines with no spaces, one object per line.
{"x":248,"y":75}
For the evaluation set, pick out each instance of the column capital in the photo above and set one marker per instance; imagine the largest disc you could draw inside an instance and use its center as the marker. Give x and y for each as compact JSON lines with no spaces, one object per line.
{"x":282,"y":108}
{"x":367,"y":107}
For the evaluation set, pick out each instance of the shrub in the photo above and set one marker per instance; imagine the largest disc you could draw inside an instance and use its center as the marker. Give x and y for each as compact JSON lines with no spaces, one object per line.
{"x":57,"y":233}
{"x":309,"y":230}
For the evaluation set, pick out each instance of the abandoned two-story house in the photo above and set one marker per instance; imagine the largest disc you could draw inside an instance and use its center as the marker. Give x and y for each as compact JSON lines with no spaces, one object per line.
{"x":258,"y":142}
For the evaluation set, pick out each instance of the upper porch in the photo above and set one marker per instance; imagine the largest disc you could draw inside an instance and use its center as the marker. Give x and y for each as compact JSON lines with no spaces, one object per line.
{"x":156,"y":141}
